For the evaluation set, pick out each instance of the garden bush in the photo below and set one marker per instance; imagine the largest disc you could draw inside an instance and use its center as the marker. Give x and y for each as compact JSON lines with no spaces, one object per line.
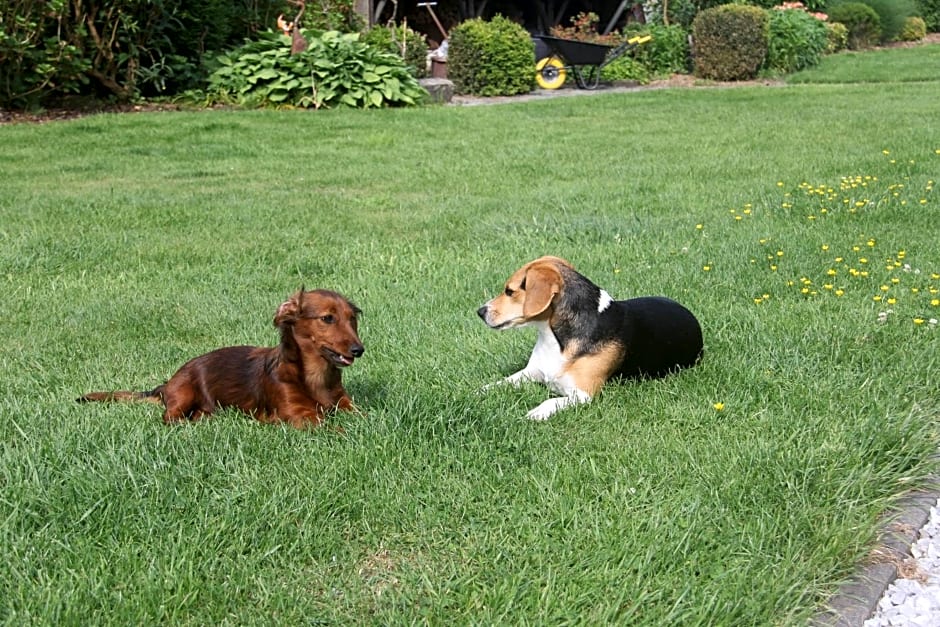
{"x":892,"y":14}
{"x":667,"y":52}
{"x":797,"y":40}
{"x":861,"y":21}
{"x":494,"y":58}
{"x":929,"y":10}
{"x":914,"y":29}
{"x":335,"y":70}
{"x":730,"y":42}
{"x":408,"y":44}
{"x":837,"y":37}
{"x":125,"y":49}
{"x":625,"y":68}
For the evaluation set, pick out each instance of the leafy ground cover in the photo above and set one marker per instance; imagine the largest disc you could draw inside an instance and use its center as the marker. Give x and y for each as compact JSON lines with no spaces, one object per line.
{"x":738,"y":492}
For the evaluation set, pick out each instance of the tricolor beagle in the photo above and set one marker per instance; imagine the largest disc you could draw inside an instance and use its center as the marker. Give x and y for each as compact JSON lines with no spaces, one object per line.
{"x":585,"y":337}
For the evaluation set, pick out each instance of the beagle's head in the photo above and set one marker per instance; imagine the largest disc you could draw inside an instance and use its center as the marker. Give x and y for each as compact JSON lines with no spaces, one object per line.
{"x":527,"y":296}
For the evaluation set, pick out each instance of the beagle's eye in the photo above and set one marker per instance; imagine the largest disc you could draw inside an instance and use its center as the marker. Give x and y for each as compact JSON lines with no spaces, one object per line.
{"x":509,"y":291}
{"x":328,"y":318}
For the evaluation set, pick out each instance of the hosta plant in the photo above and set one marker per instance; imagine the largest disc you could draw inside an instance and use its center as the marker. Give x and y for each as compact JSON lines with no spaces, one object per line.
{"x":335,"y":70}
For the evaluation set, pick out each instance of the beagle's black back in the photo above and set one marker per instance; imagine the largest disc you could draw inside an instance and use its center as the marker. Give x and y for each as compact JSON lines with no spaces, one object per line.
{"x":657,"y":334}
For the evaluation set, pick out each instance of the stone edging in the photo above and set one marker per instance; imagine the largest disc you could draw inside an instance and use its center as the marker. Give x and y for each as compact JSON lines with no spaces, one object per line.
{"x":856,"y":600}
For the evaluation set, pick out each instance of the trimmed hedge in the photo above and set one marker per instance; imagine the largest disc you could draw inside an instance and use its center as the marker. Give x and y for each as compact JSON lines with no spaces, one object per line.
{"x":914,"y":29}
{"x":862,"y":22}
{"x":494,"y":58}
{"x":730,"y":42}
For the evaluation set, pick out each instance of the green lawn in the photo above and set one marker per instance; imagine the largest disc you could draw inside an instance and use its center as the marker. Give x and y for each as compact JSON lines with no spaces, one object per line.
{"x":790,"y":219}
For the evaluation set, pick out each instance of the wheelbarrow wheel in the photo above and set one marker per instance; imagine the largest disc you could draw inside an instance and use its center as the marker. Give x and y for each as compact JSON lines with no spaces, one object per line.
{"x":550,"y":73}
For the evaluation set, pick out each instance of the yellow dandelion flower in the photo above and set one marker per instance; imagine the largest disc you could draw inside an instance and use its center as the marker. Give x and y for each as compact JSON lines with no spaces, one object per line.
{"x":831,"y":272}
{"x":773,"y":268}
{"x":780,"y":253}
{"x":840,"y":292}
{"x":892,"y":301}
{"x":706,"y":268}
{"x":885,"y":288}
{"x":828,"y":286}
{"x":935,"y":302}
{"x":825,"y":246}
{"x":895,"y":280}
{"x":918,"y":321}
{"x":719,"y":406}
{"x":839,"y":259}
{"x":876,"y":298}
{"x":915,"y":290}
{"x":699,"y":226}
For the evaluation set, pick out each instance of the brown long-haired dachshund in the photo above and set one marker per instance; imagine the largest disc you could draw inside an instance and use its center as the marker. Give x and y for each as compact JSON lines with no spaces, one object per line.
{"x":296,"y":382}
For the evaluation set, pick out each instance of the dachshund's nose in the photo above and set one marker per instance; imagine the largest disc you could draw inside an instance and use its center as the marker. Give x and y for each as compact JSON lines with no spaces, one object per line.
{"x":357,"y":350}
{"x":482,"y":312}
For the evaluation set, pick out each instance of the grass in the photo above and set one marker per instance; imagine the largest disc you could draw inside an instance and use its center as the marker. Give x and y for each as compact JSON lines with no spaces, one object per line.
{"x":889,"y":65}
{"x":738,"y":492}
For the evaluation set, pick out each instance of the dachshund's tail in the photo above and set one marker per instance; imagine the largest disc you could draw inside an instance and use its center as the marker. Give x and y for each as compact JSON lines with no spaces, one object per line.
{"x":153,"y":396}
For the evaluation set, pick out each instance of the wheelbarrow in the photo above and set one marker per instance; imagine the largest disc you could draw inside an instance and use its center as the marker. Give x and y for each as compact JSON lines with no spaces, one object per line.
{"x":583,"y":59}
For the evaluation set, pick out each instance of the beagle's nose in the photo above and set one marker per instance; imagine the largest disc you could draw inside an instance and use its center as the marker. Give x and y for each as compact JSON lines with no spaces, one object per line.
{"x":482,"y":312}
{"x":357,"y":350}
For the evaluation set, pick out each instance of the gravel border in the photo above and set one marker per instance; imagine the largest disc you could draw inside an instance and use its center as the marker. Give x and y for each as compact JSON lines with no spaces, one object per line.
{"x":857,"y":599}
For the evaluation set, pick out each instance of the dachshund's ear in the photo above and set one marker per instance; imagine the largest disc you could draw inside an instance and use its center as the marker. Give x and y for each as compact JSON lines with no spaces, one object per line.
{"x":290,"y":310}
{"x":542,"y":282}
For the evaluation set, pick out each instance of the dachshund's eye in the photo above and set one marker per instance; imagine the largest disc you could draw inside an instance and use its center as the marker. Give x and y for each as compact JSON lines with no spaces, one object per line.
{"x":328,"y":318}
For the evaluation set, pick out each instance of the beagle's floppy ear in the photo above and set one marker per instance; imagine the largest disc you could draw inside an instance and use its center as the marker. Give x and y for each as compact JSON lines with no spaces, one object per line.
{"x":290,"y":309}
{"x":542,"y":282}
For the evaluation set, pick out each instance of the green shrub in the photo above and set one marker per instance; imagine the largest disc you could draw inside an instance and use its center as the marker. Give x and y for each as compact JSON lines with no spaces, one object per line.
{"x":730,"y":42}
{"x":494,"y":58}
{"x":667,"y":52}
{"x":914,"y":29}
{"x":797,"y":40}
{"x":121,"y":49}
{"x":892,"y":14}
{"x":929,"y":10}
{"x":837,"y":37}
{"x":861,"y":21}
{"x":335,"y":70}
{"x":625,"y":68}
{"x":408,"y":44}
{"x":32,"y":64}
